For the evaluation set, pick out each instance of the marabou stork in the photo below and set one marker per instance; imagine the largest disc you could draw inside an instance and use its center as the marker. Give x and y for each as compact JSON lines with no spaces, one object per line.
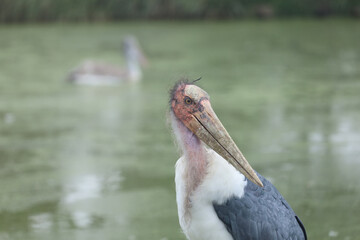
{"x":214,"y":196}
{"x":97,"y":73}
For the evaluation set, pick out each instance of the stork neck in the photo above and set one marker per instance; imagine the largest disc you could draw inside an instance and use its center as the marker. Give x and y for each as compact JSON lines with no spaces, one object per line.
{"x":195,"y":155}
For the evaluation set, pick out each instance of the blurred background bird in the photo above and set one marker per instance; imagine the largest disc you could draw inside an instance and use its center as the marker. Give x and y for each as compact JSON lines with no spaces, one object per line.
{"x":97,"y":73}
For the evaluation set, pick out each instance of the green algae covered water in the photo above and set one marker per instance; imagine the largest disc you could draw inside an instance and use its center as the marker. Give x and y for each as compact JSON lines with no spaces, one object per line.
{"x":81,"y":162}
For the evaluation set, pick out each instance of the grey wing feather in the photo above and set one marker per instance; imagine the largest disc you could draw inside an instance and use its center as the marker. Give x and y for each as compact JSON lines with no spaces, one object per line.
{"x":262,"y":213}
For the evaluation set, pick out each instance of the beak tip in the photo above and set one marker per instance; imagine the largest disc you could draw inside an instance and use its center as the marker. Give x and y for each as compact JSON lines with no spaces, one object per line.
{"x":257,"y":181}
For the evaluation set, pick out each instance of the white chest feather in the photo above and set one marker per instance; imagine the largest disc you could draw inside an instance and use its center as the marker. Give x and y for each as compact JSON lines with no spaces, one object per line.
{"x":221,"y":181}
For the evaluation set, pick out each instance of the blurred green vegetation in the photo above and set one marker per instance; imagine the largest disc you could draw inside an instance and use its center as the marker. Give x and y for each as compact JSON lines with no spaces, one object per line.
{"x":108,"y":10}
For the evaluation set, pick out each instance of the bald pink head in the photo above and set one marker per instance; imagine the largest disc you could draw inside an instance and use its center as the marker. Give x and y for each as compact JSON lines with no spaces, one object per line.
{"x":191,"y":106}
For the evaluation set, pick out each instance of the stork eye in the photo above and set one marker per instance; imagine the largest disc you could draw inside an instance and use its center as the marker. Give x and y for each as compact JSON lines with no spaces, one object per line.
{"x":188,"y":101}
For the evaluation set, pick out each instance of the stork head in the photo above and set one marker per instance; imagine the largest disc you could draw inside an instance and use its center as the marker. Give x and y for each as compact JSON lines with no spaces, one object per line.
{"x":191,"y":105}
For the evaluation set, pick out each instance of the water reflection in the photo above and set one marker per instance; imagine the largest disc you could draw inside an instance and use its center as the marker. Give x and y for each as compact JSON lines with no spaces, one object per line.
{"x":346,"y":138}
{"x":9,"y":118}
{"x":38,"y":218}
{"x":41,"y":222}
{"x":348,"y":62}
{"x":324,"y":128}
{"x":83,"y":187}
{"x":86,"y":186}
{"x":92,"y":172}
{"x":81,"y":220}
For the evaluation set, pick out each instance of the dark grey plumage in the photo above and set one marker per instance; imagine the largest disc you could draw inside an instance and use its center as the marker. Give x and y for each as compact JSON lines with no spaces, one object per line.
{"x":261,"y":214}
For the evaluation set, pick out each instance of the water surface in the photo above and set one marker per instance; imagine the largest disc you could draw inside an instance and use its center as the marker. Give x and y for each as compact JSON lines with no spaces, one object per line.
{"x":98,"y":162}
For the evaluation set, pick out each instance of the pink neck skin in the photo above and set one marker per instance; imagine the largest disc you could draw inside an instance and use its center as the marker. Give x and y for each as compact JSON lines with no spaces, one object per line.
{"x":195,"y":155}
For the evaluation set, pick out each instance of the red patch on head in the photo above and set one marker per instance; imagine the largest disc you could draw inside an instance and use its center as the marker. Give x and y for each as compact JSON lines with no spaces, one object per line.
{"x":182,"y":109}
{"x":186,"y":99}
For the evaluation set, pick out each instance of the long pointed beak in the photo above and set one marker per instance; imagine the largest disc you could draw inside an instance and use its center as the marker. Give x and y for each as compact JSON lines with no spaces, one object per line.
{"x":207,"y":127}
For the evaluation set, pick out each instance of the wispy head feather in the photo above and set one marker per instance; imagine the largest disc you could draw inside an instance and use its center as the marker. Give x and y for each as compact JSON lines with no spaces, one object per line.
{"x":181,"y":82}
